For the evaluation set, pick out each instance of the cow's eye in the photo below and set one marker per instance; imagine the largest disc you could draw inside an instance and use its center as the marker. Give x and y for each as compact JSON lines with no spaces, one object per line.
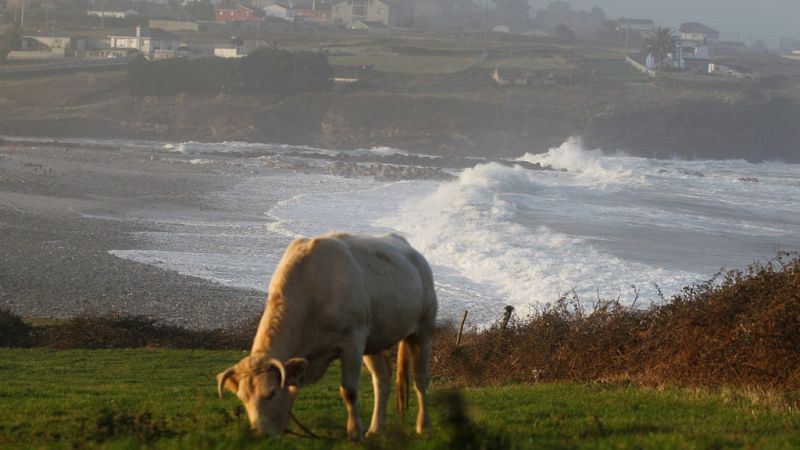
{"x":271,"y":394}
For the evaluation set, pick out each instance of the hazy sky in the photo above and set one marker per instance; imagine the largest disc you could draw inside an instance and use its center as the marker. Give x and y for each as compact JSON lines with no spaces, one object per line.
{"x":751,"y":19}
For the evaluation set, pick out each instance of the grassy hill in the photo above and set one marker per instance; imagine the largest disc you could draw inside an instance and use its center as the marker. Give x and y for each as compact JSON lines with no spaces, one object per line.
{"x":167,"y":399}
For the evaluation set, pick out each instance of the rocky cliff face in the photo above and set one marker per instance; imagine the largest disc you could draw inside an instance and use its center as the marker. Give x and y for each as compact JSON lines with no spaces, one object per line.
{"x":754,"y":131}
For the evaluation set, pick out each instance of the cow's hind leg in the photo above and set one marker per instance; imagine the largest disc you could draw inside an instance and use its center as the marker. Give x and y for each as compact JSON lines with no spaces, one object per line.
{"x":351,"y":372}
{"x":420,"y":348}
{"x":378,"y":365}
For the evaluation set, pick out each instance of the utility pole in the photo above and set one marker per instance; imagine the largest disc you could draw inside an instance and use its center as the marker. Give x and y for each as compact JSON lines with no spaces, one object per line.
{"x":627,"y":37}
{"x":22,"y":14}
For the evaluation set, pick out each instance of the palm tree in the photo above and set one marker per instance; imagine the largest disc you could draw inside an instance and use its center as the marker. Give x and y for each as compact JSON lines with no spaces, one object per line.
{"x":661,"y":42}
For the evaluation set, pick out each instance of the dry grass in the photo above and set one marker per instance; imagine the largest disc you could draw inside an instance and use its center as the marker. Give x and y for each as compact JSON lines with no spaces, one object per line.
{"x":61,"y":90}
{"x":740,"y":328}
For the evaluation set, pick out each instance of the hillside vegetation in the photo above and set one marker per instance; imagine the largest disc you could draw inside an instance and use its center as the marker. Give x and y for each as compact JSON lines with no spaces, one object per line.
{"x":434,"y":94}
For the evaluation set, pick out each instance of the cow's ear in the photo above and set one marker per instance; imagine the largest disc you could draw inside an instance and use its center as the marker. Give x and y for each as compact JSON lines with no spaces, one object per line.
{"x":295,"y":369}
{"x":228,"y":380}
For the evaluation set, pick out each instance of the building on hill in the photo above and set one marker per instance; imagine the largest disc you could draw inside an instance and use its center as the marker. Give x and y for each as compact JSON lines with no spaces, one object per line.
{"x":230,"y":51}
{"x":697,"y":32}
{"x":152,"y":42}
{"x":69,"y":46}
{"x":279,"y":11}
{"x":691,"y":56}
{"x":642,"y":26}
{"x":314,"y":11}
{"x":112,"y":14}
{"x":238,"y":13}
{"x":41,"y":48}
{"x":694,"y":57}
{"x":348,"y":11}
{"x":790,"y":48}
{"x":263,"y":4}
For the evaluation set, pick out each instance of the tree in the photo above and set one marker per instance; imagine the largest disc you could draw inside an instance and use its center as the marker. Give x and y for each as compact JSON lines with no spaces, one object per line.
{"x":275,"y":71}
{"x":563,"y":32}
{"x":661,"y":42}
{"x":608,"y":29}
{"x":200,"y":10}
{"x":138,"y":78}
{"x":11,"y":41}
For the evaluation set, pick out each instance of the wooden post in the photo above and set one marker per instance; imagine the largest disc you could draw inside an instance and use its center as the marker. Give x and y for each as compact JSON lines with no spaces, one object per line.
{"x":507,"y":317}
{"x":461,"y":328}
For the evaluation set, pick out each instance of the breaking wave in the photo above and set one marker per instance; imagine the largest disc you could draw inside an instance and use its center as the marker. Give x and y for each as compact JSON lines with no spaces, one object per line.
{"x":484,"y":224}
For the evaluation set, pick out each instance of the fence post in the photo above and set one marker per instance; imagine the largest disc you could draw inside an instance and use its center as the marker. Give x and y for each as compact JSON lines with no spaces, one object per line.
{"x":461,"y":328}
{"x":507,"y":317}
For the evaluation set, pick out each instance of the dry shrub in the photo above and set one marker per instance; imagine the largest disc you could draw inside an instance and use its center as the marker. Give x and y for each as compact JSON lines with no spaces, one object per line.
{"x":113,"y":331}
{"x":740,"y":328}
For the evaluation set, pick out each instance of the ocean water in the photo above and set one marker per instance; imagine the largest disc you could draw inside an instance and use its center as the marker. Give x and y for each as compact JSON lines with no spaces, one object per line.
{"x":600,"y":224}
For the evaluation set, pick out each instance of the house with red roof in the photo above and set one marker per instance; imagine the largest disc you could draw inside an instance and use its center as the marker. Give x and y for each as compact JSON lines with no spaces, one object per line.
{"x":238,"y":13}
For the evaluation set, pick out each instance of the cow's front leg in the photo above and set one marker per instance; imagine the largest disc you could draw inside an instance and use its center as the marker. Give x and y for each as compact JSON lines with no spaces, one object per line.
{"x":351,"y":372}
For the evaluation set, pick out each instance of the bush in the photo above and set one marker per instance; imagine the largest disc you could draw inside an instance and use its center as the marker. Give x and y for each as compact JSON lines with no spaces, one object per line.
{"x":14,"y":332}
{"x":201,"y":76}
{"x":264,"y":71}
{"x":276,"y":71}
{"x":740,"y":328}
{"x":10,"y":41}
{"x":564,"y":32}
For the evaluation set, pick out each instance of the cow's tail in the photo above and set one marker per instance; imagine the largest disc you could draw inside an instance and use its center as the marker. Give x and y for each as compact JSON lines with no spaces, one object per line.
{"x":403,"y":357}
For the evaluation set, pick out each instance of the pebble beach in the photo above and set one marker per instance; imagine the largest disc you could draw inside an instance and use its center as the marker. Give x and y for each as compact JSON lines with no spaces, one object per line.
{"x":61,"y":210}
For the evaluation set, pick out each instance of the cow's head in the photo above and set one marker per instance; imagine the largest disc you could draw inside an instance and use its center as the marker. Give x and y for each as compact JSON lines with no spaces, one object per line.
{"x":267,"y":387}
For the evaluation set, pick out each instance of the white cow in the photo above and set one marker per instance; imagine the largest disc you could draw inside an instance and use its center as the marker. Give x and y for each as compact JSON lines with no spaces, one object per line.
{"x":339,"y":296}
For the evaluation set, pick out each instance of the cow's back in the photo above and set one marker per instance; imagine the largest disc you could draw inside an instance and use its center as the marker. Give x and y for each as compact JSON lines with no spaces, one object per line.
{"x":377,"y":284}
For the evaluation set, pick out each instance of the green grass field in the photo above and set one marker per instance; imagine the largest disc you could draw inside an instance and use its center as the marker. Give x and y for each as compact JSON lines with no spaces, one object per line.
{"x":166,"y":399}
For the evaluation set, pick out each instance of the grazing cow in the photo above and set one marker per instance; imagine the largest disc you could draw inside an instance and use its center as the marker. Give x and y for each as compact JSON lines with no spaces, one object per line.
{"x":339,"y":296}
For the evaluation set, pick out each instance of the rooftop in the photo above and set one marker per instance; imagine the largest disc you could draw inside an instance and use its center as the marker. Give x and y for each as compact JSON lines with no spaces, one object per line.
{"x":695,"y":27}
{"x":153,"y":33}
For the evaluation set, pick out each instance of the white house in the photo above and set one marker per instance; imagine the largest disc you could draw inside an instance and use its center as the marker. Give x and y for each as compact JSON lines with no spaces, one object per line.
{"x":635,"y":25}
{"x":146,"y":40}
{"x":278,"y":11}
{"x":348,"y":11}
{"x":694,"y":56}
{"x":691,"y":56}
{"x":112,"y":14}
{"x":697,"y":32}
{"x":229,"y":52}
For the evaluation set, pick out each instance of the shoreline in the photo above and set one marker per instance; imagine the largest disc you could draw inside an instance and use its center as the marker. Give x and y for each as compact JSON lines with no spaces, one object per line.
{"x":61,"y":213}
